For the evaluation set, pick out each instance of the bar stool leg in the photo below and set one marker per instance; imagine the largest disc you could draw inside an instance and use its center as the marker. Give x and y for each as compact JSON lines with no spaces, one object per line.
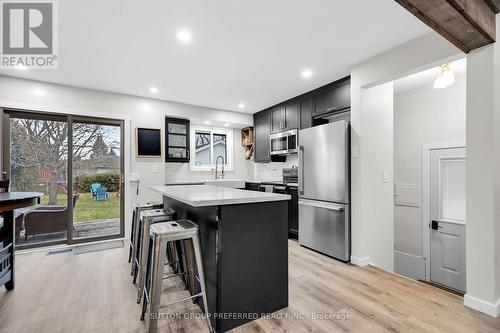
{"x":143,"y":257}
{"x":160,"y":248}
{"x":201,"y":275}
{"x":147,"y":282}
{"x":132,"y":244}
{"x":190,"y":276}
{"x":137,"y":248}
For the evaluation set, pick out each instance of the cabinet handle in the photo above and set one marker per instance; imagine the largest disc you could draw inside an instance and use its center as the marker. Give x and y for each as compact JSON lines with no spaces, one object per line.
{"x":187,"y":151}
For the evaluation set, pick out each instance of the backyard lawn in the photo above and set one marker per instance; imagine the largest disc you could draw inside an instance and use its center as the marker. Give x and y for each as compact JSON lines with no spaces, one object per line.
{"x":87,"y":209}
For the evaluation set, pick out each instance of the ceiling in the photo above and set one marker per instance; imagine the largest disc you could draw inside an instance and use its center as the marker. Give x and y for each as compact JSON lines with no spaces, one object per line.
{"x":426,"y":78}
{"x":241,"y":51}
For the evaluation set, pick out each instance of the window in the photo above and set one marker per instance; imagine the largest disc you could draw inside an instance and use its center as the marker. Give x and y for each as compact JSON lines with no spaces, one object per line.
{"x":208,"y":144}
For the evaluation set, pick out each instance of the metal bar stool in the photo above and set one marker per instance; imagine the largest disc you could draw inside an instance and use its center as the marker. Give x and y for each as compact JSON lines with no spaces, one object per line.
{"x":161,"y":235}
{"x":134,"y":232}
{"x":148,"y":218}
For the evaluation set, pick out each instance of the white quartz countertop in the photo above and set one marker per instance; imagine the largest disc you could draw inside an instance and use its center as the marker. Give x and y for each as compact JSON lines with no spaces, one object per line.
{"x":209,"y":195}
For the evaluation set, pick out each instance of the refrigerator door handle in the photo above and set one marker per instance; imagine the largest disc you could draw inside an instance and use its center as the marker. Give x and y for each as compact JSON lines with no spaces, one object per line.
{"x":301,"y":169}
{"x":320,"y":204}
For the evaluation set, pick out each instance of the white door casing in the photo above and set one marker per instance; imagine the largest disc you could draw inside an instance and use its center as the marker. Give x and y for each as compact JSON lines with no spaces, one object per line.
{"x":447,"y":217}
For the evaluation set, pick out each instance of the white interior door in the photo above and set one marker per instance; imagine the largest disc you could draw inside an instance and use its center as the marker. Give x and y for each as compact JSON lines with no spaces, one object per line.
{"x":447,"y":225}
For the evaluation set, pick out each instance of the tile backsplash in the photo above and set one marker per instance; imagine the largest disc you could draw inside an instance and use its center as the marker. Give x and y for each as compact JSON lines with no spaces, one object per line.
{"x":272,"y":170}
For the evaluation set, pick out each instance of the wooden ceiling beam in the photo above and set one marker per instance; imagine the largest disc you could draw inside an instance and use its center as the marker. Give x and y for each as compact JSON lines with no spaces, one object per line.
{"x":494,"y":5}
{"x":468,"y":24}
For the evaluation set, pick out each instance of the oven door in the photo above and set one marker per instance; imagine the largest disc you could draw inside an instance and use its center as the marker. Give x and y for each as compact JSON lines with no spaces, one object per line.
{"x":292,"y":142}
{"x":284,"y":143}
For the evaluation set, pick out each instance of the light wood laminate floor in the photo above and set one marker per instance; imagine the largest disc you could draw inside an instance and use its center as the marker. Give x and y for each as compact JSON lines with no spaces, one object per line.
{"x":93,"y":292}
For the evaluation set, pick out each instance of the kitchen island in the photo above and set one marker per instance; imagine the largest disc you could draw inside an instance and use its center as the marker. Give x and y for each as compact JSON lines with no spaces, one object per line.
{"x":244,"y":245}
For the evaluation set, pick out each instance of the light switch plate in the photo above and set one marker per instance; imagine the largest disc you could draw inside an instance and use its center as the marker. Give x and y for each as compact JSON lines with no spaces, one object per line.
{"x":355,"y":151}
{"x":385,"y":177}
{"x":156,"y":169}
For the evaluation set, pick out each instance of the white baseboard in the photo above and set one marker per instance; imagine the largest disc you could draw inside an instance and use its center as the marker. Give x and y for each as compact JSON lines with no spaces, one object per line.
{"x":409,"y":265}
{"x":365,"y":261}
{"x":488,"y":308}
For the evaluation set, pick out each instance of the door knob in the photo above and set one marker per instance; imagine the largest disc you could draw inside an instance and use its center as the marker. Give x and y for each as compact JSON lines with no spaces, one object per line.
{"x":435,"y":225}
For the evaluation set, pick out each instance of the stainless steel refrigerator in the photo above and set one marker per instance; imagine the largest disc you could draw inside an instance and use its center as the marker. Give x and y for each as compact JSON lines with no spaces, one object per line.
{"x":324,"y":183}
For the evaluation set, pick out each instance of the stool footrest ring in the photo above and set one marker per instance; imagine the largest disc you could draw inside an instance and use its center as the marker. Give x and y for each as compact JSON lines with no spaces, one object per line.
{"x":180,"y":300}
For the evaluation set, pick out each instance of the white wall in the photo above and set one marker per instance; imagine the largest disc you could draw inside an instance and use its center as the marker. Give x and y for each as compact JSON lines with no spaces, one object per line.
{"x":377,"y":105}
{"x":17,"y":93}
{"x":483,"y":179}
{"x":422,"y":115}
{"x":368,"y":193}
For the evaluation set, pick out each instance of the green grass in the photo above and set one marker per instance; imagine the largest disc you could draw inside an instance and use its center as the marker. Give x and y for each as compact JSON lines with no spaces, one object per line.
{"x":87,"y":209}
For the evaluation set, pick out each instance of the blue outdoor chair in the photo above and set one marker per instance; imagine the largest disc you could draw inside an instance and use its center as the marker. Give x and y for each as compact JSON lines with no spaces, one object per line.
{"x":93,"y":188}
{"x":101,"y":193}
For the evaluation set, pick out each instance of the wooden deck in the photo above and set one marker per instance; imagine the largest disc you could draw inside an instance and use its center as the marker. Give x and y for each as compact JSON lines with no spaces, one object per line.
{"x":82,"y":230}
{"x":93,"y":292}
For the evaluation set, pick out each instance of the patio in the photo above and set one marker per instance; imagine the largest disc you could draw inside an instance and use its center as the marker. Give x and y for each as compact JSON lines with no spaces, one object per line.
{"x":87,"y":229}
{"x":91,"y":218}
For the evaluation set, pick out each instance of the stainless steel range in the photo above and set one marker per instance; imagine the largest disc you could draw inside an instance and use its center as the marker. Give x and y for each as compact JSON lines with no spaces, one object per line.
{"x":289,"y":185}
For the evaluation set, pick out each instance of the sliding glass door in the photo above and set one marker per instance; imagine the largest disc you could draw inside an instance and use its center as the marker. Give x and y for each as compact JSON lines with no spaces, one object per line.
{"x":96,"y":167}
{"x":77,"y":163}
{"x":38,"y":150}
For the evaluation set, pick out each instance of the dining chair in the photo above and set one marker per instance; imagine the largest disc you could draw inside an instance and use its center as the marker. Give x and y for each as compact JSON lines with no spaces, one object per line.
{"x":4,"y":185}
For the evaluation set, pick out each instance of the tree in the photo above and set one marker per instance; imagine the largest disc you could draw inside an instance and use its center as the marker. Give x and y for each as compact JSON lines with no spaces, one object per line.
{"x":43,"y":145}
{"x":99,"y":149}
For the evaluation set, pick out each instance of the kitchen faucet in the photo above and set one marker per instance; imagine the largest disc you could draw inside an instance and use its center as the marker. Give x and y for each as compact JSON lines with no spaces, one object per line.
{"x":217,"y":167}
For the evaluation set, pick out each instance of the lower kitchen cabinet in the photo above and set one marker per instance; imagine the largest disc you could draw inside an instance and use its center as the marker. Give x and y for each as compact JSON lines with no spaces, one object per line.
{"x":252,"y":186}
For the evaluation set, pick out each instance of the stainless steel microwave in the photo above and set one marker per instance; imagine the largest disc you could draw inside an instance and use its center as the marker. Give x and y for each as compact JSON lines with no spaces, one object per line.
{"x":284,"y":143}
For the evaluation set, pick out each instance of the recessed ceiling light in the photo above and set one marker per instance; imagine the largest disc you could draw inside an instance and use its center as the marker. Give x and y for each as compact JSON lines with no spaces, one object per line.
{"x":307,"y":73}
{"x":153,"y":90}
{"x":241,"y":106}
{"x":184,"y":36}
{"x":226,"y":125}
{"x":207,"y":122}
{"x":21,"y":67}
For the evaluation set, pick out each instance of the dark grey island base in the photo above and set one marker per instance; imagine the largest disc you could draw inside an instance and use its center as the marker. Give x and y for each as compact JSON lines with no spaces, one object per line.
{"x":245,"y":253}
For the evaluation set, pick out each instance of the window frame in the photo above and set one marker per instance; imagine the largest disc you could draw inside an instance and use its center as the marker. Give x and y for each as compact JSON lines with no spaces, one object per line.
{"x":228,"y":132}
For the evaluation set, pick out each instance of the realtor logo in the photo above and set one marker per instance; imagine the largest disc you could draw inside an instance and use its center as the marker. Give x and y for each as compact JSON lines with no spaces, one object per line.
{"x":29,"y":34}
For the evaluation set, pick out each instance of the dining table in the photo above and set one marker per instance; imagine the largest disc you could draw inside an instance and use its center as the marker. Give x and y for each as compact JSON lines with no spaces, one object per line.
{"x":10,"y":201}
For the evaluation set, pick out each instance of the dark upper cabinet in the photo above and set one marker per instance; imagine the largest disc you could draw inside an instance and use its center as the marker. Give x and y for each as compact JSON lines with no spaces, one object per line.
{"x":306,"y":111}
{"x":333,"y":98}
{"x":285,"y":116}
{"x":291,"y":115}
{"x":277,"y":119}
{"x":262,"y":130}
{"x":176,"y":140}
